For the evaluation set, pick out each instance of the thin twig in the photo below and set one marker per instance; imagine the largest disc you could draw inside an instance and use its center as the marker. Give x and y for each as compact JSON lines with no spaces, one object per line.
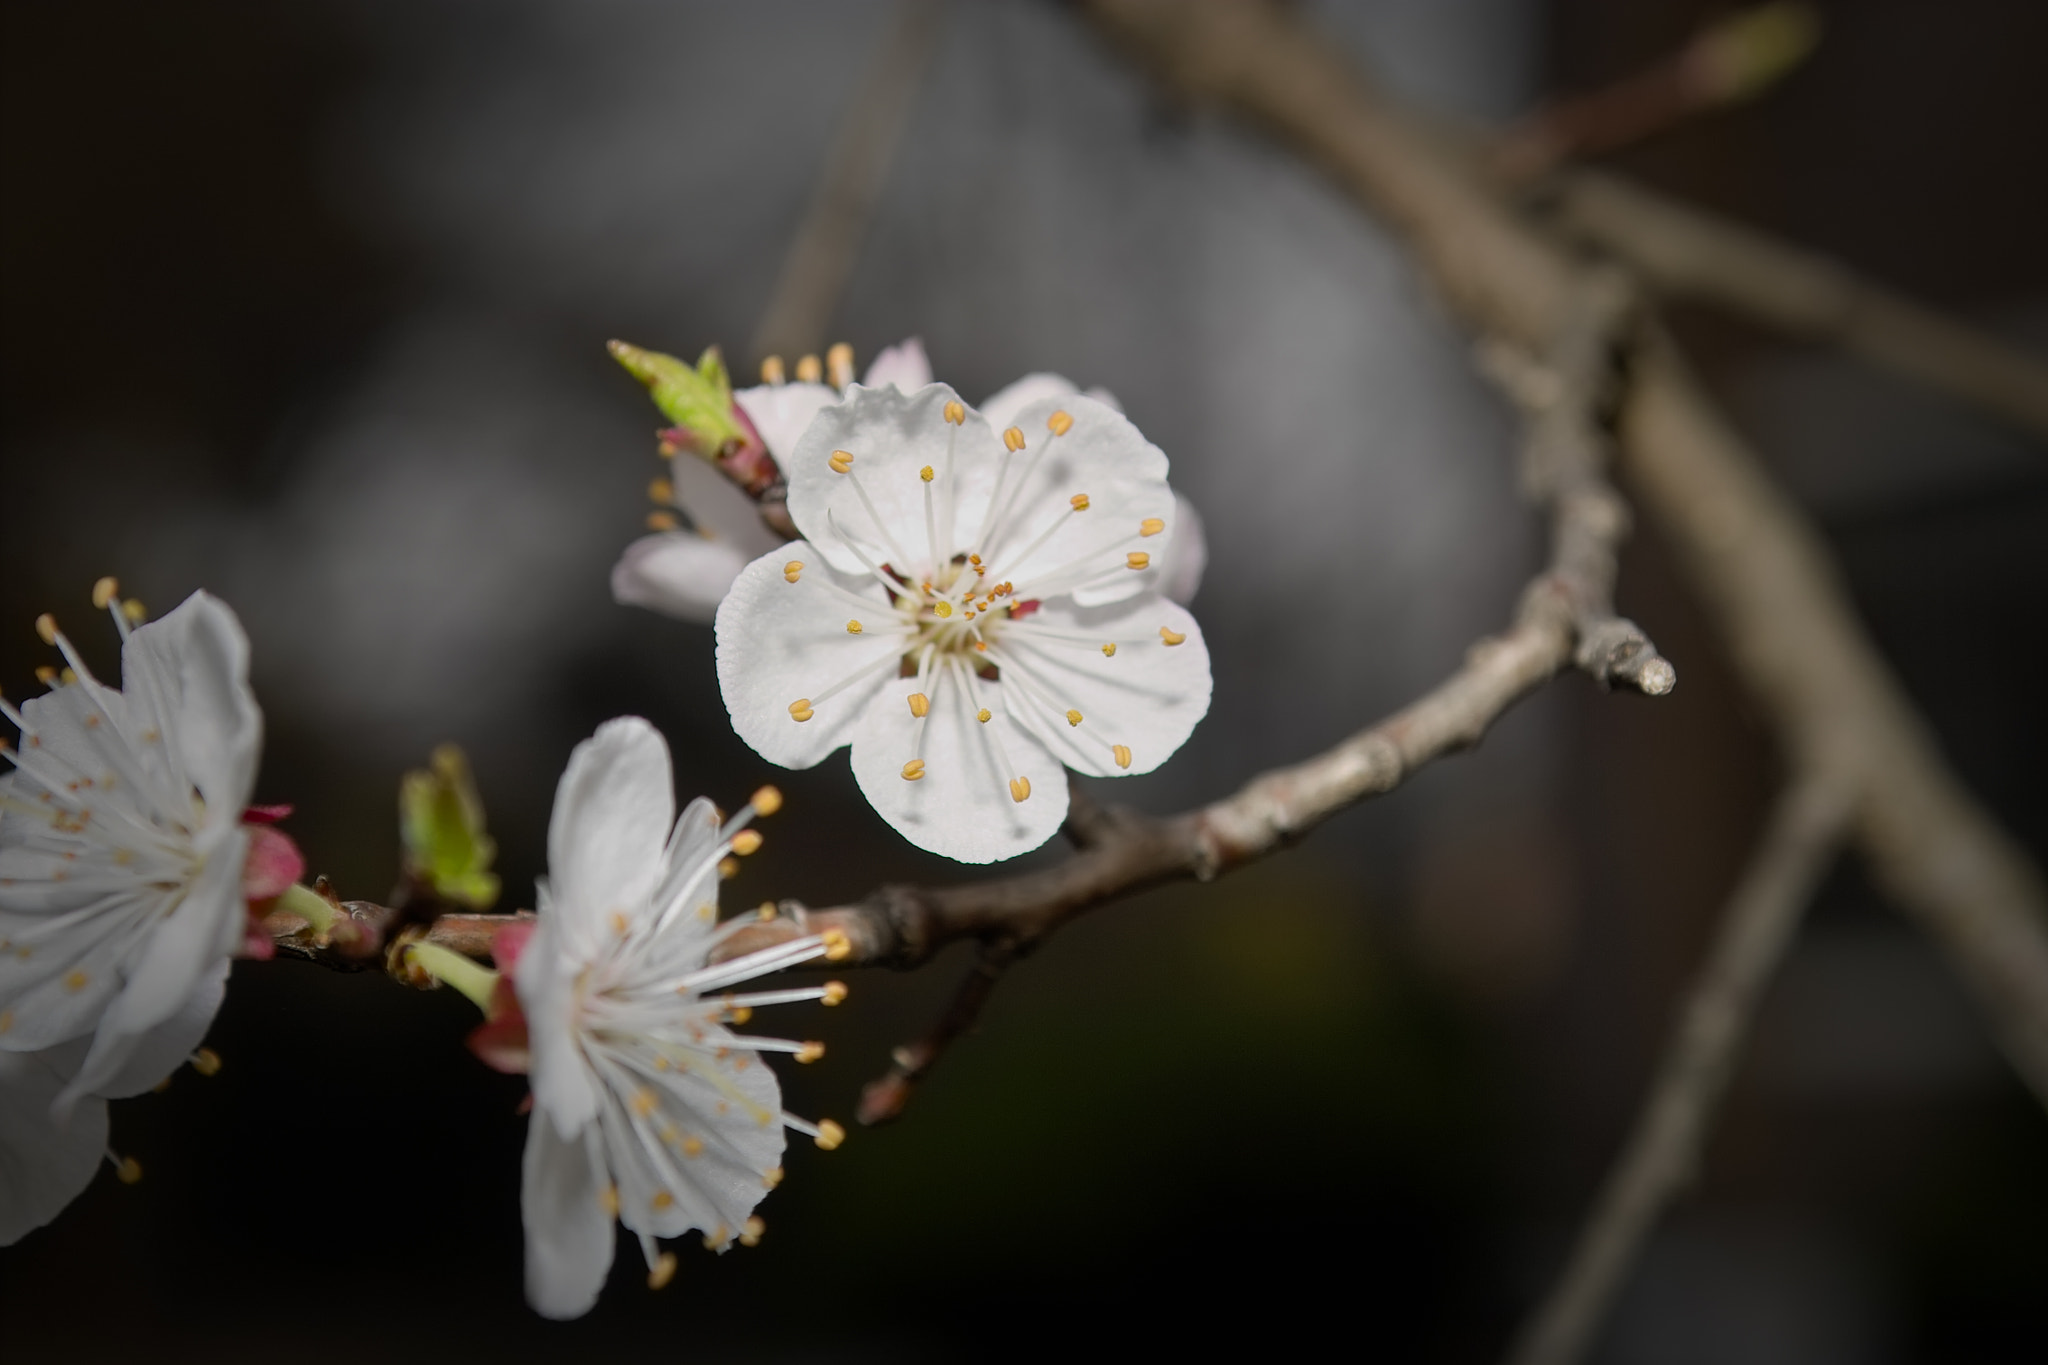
{"x":820,"y":259}
{"x":883,"y":1099}
{"x":1663,"y":1151}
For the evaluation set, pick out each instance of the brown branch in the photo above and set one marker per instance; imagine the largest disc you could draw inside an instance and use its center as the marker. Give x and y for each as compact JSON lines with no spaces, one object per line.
{"x":1747,"y":550}
{"x":883,"y":1099}
{"x":822,"y":256}
{"x":1663,"y":1150}
{"x":1687,"y":253}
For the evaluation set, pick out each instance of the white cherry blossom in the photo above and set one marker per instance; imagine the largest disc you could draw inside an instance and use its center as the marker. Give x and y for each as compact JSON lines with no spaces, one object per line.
{"x":970,"y":611}
{"x":648,"y":1108}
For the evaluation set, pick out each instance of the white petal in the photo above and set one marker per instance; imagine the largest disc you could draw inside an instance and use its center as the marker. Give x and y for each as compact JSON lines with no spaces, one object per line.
{"x":62,"y":991}
{"x":1002,"y":406}
{"x":1187,"y":554}
{"x":780,"y":641}
{"x":44,"y":1165}
{"x":1124,"y":477}
{"x":677,"y":573}
{"x":782,"y":413}
{"x":1148,"y":696}
{"x":169,"y":1045}
{"x":569,"y":1239}
{"x":178,"y":955}
{"x":200,"y":649}
{"x":892,"y":436}
{"x":690,"y":876}
{"x":962,"y":808}
{"x":905,"y":365}
{"x":717,"y":505}
{"x":613,"y":810}
{"x":564,"y":1092}
{"x":722,"y":1183}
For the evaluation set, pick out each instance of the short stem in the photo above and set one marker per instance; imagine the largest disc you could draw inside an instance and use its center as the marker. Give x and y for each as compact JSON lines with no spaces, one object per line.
{"x":452,"y":968}
{"x":310,"y":906}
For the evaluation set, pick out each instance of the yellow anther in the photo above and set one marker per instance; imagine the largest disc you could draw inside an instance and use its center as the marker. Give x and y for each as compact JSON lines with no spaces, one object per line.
{"x":853,"y":627}
{"x":620,"y":924}
{"x":133,"y":610}
{"x":800,"y":709}
{"x":667,"y":449}
{"x":46,"y":626}
{"x":1109,"y":650}
{"x":661,"y":490}
{"x":662,"y":1199}
{"x":810,"y":1052}
{"x":772,"y":371}
{"x":838,"y":947}
{"x":660,"y":521}
{"x":772,"y":1177}
{"x":693,"y":1146}
{"x":841,"y":461}
{"x":1137,"y":559}
{"x":925,"y":473}
{"x":1020,"y":789}
{"x":46,"y":675}
{"x":130,"y":1170}
{"x":766,"y":911}
{"x":206,"y":1062}
{"x":809,"y":371}
{"x":746,"y":841}
{"x":1060,"y":423}
{"x":913,"y":770}
{"x":716,"y":1238}
{"x":1073,"y":717}
{"x":707,"y":912}
{"x":76,"y":981}
{"x":835,"y":991}
{"x":919,"y":704}
{"x":1079,"y":502}
{"x":942,"y":609}
{"x":1151,"y":526}
{"x":1013,"y":437}
{"x":956,"y":412}
{"x":984,"y":715}
{"x":104,"y":592}
{"x":643,"y":1101}
{"x":1123,"y":755}
{"x":728,"y":868}
{"x":766,"y":800}
{"x":839,"y":364}
{"x":1172,"y":637}
{"x":662,"y":1271}
{"x":791,"y":570}
{"x":830,"y":1134}
{"x":609,"y":1198}
{"x":739,"y":1014}
{"x":751,"y":1230}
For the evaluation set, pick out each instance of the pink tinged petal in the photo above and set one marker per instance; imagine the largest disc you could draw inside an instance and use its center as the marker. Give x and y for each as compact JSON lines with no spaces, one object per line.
{"x":179,"y":952}
{"x":677,"y":573}
{"x":510,"y":942}
{"x":501,"y":1040}
{"x":962,"y":808}
{"x":169,"y":1045}
{"x":1187,"y":554}
{"x":1148,"y":696}
{"x":905,"y":365}
{"x":273,"y":863}
{"x":1002,"y":407}
{"x":613,"y":809}
{"x":719,"y":509}
{"x":44,"y":1165}
{"x":569,"y":1237}
{"x":892,"y":437}
{"x":198,"y":649}
{"x":780,"y":642}
{"x":783,"y":412}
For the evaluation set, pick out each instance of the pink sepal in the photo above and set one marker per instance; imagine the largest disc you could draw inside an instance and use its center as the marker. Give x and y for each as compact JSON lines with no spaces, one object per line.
{"x":264,"y":815}
{"x":274,"y":863}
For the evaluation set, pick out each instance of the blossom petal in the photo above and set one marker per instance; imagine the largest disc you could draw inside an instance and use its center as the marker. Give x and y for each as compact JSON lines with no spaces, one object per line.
{"x":613,"y":809}
{"x":963,"y":807}
{"x":905,"y":365}
{"x":569,"y":1238}
{"x":779,"y":642}
{"x":1148,"y":696}
{"x":1002,"y":407}
{"x":677,"y":573}
{"x":782,"y":413}
{"x":169,"y":1045}
{"x":1187,"y":554}
{"x":199,"y":650}
{"x":892,"y":436}
{"x":44,"y":1165}
{"x":720,"y":508}
{"x":564,"y":1092}
{"x":1123,"y":477}
{"x":167,"y":974}
{"x":717,"y":1183}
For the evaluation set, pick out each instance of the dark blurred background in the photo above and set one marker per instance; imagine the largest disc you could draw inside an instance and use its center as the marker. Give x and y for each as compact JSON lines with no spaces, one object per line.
{"x":306,"y":304}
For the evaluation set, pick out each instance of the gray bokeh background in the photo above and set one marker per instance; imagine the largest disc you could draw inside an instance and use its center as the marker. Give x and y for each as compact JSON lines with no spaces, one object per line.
{"x":308,"y":306}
